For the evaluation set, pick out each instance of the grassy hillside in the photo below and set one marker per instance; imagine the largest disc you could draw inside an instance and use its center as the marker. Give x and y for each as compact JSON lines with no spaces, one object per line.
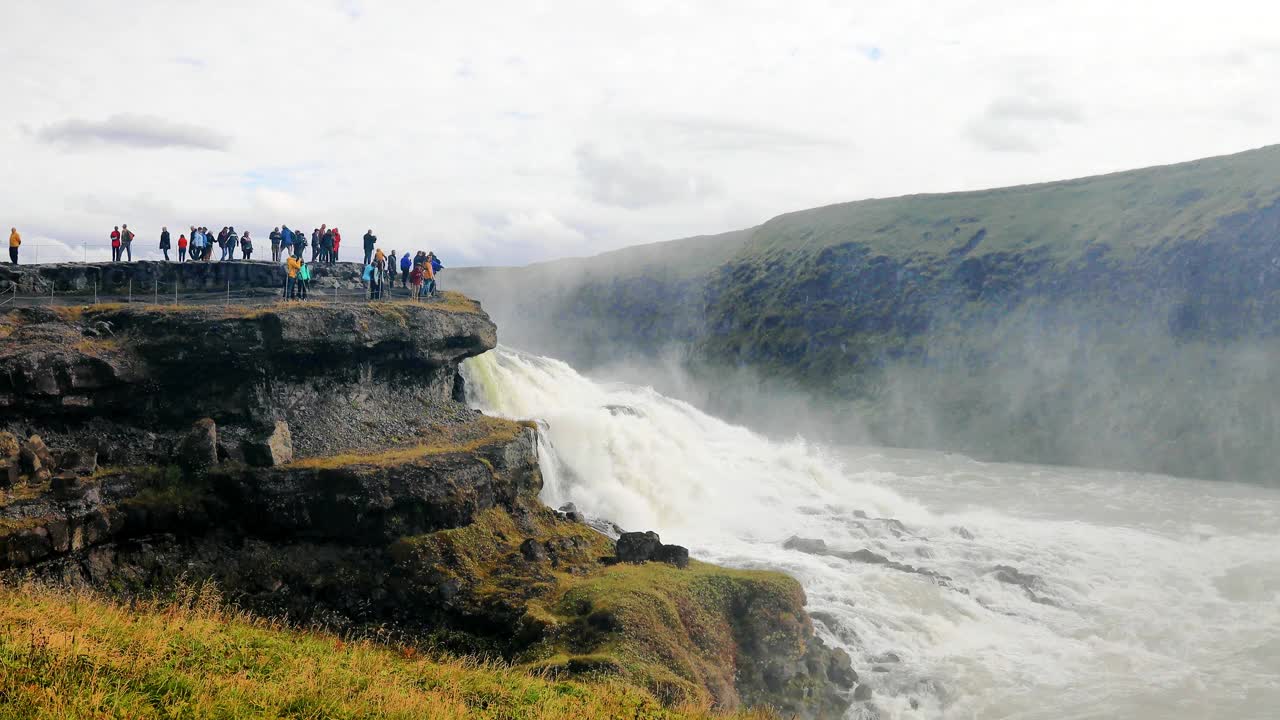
{"x":1113,"y":320}
{"x":69,"y":654}
{"x":1127,"y":211}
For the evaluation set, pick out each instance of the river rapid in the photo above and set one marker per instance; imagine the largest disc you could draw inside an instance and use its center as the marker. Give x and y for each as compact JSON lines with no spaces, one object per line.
{"x":990,"y":590}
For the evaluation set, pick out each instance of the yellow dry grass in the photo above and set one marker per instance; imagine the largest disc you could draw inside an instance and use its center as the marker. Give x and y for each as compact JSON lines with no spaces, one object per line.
{"x":73,"y":654}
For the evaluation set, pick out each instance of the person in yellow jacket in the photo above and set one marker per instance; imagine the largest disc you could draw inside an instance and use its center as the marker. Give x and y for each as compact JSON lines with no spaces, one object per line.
{"x":291,"y":266}
{"x":15,"y":240}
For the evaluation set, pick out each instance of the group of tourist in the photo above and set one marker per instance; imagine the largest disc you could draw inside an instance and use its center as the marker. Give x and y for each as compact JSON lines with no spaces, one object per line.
{"x":201,"y":243}
{"x":417,"y":274}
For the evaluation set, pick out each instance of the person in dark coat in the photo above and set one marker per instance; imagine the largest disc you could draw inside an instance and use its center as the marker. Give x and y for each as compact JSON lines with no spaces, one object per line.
{"x":369,"y":241}
{"x":164,"y":242}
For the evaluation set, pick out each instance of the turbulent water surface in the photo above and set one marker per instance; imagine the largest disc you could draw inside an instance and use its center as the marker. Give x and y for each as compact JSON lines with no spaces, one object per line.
{"x":1009,"y":591}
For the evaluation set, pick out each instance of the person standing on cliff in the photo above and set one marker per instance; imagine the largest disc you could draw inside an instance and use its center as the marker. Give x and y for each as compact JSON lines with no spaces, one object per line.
{"x":275,"y":238}
{"x":15,"y":241}
{"x":315,"y":244}
{"x":126,"y":242}
{"x":182,"y":248}
{"x":337,"y":242}
{"x":164,"y":242}
{"x":115,"y":244}
{"x":246,"y":246}
{"x":369,"y":241}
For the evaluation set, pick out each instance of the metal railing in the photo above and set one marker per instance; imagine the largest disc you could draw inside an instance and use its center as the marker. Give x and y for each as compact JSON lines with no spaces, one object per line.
{"x":171,"y":293}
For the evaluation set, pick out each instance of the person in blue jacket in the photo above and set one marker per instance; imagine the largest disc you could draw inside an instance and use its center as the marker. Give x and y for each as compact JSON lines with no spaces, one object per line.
{"x":286,"y":242}
{"x":406,"y":265}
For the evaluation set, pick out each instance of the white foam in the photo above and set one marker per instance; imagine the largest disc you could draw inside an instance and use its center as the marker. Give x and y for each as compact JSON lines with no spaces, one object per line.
{"x":1155,"y":598}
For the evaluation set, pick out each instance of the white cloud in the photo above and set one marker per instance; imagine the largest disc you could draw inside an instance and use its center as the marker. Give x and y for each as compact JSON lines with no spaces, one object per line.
{"x":585,"y":126}
{"x":136,"y":131}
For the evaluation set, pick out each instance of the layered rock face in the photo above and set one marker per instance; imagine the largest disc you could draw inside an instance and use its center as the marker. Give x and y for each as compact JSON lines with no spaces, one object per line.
{"x":317,"y":463}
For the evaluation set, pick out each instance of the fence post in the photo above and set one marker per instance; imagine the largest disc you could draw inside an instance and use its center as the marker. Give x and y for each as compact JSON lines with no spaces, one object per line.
{"x":130,"y":291}
{"x":335,"y":292}
{"x":50,"y":293}
{"x":156,"y":289}
{"x":95,"y":292}
{"x":175,"y":287}
{"x":228,"y":303}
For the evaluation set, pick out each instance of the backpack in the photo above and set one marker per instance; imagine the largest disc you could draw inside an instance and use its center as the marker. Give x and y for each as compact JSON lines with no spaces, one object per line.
{"x":304,"y":272}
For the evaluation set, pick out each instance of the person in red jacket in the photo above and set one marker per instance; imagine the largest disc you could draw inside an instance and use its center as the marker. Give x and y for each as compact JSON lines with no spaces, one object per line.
{"x":337,"y":240}
{"x":182,"y":248}
{"x":115,"y":244}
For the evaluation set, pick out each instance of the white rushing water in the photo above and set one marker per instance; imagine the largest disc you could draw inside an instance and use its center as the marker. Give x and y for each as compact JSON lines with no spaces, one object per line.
{"x":1143,"y":596}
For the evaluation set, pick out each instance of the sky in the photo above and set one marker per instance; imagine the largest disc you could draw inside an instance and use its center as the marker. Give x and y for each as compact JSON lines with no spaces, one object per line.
{"x":503,"y":133}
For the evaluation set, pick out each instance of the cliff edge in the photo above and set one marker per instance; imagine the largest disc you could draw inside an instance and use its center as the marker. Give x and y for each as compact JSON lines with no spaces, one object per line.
{"x":318,"y":464}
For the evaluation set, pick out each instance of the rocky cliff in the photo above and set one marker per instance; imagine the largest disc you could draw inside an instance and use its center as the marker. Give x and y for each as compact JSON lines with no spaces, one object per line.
{"x":317,"y":464}
{"x":1121,"y":320}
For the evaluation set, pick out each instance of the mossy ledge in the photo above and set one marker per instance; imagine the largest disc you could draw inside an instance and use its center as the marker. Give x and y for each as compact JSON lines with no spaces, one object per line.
{"x":316,"y":465}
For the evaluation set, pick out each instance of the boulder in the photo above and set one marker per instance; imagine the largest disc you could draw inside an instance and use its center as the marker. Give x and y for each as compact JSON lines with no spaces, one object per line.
{"x":67,"y":486}
{"x":28,"y":462}
{"x":569,"y":512}
{"x":80,"y":462}
{"x":199,"y":448}
{"x":274,"y":449}
{"x":533,"y":551}
{"x":9,"y":447}
{"x":9,"y":472}
{"x":637,"y":547}
{"x":673,"y":555}
{"x":37,"y":446}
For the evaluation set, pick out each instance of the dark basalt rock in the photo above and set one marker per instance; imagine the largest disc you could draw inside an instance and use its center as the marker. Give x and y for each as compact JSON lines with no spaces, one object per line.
{"x":642,"y":547}
{"x":638,"y":547}
{"x":199,"y":449}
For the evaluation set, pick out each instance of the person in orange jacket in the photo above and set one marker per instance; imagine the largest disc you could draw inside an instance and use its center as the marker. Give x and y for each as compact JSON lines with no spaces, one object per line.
{"x":15,"y":241}
{"x":182,"y":248}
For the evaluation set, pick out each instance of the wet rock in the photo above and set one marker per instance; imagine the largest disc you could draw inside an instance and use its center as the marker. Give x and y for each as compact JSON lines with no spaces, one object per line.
{"x":886,"y":658}
{"x":617,"y":410}
{"x":812,"y":546}
{"x":862,"y":693}
{"x":962,"y":532}
{"x":1013,"y":576}
{"x":569,"y":512}
{"x":9,"y":473}
{"x":199,"y":448}
{"x":637,"y":547}
{"x":274,"y":449}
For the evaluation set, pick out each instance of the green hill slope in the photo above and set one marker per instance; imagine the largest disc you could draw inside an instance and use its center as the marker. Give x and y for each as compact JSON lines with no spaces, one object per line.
{"x":1112,"y":320}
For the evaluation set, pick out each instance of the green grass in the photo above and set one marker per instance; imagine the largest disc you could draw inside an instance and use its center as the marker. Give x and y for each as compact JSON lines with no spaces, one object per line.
{"x":72,"y":654}
{"x":675,"y":632}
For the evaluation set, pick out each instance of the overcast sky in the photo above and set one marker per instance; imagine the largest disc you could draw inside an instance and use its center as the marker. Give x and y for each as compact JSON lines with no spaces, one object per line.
{"x":507,"y":132}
